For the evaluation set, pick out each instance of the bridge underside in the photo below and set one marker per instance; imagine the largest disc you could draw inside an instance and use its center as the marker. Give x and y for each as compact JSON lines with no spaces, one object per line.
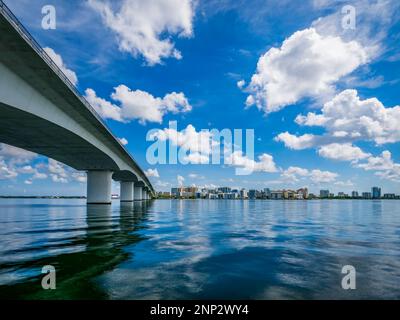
{"x":29,"y":132}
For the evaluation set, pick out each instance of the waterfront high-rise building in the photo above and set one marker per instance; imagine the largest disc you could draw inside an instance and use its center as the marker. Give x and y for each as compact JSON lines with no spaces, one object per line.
{"x":354,"y":194}
{"x":224,"y":189}
{"x":176,"y":192}
{"x":253,"y":194}
{"x":367,"y":195}
{"x":277,"y":195}
{"x":267,"y":193}
{"x":324,"y":193}
{"x":302,"y":193}
{"x":376,"y":193}
{"x":389,"y":196}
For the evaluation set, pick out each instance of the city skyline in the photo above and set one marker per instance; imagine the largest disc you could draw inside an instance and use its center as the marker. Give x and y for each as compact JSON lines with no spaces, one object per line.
{"x":209,"y":76}
{"x":267,"y":193}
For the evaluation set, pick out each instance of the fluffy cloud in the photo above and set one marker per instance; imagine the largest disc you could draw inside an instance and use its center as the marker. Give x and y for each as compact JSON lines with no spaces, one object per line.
{"x":241,"y":84}
{"x":197,"y":158}
{"x":12,"y":157}
{"x":144,"y":28}
{"x":201,"y":145}
{"x":265,"y":162}
{"x":295,"y":174}
{"x":138,"y":104}
{"x":71,"y":75}
{"x":188,"y":138}
{"x":58,"y":171}
{"x":347,"y":117}
{"x":374,"y":20}
{"x":296,"y":142}
{"x":15,"y":155}
{"x":124,"y":141}
{"x":79,"y":177}
{"x":347,"y":183}
{"x":28,"y":169}
{"x":152,"y":173}
{"x":383,"y":162}
{"x":306,"y":65}
{"x":319,"y":176}
{"x":39,"y":175}
{"x":198,"y":144}
{"x":61,"y":173}
{"x":104,"y":108}
{"x":15,"y":161}
{"x":384,"y":166}
{"x":292,"y":174}
{"x":6,"y":172}
{"x":342,"y":152}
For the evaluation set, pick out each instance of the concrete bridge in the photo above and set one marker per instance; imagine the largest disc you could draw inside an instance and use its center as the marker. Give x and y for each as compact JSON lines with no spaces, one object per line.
{"x":42,"y":111}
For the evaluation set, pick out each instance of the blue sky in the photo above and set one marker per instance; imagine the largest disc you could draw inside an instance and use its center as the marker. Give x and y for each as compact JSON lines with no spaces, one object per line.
{"x":200,"y":50}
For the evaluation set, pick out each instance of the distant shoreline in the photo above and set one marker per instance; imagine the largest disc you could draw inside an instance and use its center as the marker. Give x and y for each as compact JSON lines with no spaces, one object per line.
{"x":280,"y":199}
{"x":83,"y":197}
{"x":42,"y":197}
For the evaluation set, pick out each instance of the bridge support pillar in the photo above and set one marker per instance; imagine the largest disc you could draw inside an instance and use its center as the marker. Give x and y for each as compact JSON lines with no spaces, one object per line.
{"x":144,"y":194}
{"x":99,"y":187}
{"x":138,"y":193}
{"x":127,"y":191}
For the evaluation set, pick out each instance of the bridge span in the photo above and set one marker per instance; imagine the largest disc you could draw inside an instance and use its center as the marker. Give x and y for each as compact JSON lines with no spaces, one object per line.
{"x":43,"y":112}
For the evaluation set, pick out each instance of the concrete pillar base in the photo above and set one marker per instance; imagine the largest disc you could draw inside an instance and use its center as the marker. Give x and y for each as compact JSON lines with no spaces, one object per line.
{"x":99,"y":187}
{"x":138,"y":193}
{"x":126,"y":191}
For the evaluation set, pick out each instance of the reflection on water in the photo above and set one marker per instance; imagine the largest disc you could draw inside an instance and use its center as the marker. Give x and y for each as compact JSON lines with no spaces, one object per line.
{"x":80,"y":241}
{"x":200,"y":249}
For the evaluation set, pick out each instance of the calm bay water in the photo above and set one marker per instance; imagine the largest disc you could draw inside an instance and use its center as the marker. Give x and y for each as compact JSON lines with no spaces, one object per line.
{"x":200,"y":249}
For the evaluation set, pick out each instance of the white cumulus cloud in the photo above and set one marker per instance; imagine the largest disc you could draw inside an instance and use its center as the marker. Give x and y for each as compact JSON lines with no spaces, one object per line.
{"x":124,"y":141}
{"x":307,"y":64}
{"x":198,"y":144}
{"x":296,"y":142}
{"x":265,"y":162}
{"x":347,"y":116}
{"x":144,"y":28}
{"x":342,"y":152}
{"x":384,"y":166}
{"x":294,"y":174}
{"x":71,"y":75}
{"x":138,"y":104}
{"x":152,"y":173}
{"x":6,"y":172}
{"x":15,"y":155}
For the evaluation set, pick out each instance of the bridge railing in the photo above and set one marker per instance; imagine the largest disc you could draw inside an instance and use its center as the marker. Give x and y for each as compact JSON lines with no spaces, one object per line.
{"x":9,"y":15}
